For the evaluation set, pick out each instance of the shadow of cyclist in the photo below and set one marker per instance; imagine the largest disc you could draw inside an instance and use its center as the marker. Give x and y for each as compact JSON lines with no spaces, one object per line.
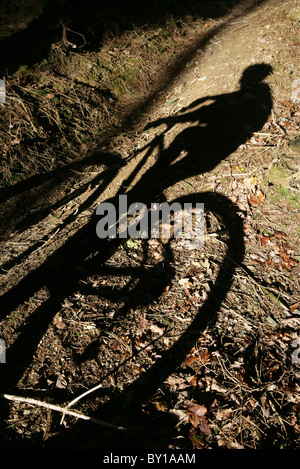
{"x":219,"y":125}
{"x":217,"y":129}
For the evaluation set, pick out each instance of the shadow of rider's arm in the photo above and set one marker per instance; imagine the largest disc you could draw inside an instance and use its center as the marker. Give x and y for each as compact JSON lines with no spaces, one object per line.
{"x":172,"y":120}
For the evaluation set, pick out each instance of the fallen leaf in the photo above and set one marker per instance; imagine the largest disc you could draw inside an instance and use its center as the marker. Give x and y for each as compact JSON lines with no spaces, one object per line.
{"x":285,"y":256}
{"x":195,"y":413}
{"x":156,"y":330}
{"x":293,"y":323}
{"x":61,"y":382}
{"x":287,"y":261}
{"x":264,"y":239}
{"x":160,"y":403}
{"x":214,"y":386}
{"x":250,"y":182}
{"x":205,"y":356}
{"x":279,"y":234}
{"x":143,"y":324}
{"x":177,"y":382}
{"x":294,"y":307}
{"x":223,"y":414}
{"x":204,"y":427}
{"x":179,"y":414}
{"x":192,"y":359}
{"x":193,"y":381}
{"x":207,"y":266}
{"x":58,"y":322}
{"x":257,"y":198}
{"x":185,"y":283}
{"x":173,"y":380}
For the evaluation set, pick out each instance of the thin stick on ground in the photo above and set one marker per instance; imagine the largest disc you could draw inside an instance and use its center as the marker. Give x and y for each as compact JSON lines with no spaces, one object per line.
{"x":83,"y":395}
{"x":63,"y":410}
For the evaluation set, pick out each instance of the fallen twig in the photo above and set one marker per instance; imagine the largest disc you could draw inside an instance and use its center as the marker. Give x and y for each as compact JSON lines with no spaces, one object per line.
{"x":83,"y":395}
{"x":63,"y":410}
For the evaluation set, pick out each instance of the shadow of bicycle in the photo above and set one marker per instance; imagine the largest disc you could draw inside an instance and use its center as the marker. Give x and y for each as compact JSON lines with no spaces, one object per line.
{"x":217,"y":129}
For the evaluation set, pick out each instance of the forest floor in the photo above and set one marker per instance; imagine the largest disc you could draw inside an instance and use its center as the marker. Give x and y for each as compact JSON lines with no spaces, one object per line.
{"x":166,"y":347}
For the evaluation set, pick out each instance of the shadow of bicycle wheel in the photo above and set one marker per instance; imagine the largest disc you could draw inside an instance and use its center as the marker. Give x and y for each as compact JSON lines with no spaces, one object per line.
{"x":126,"y":408}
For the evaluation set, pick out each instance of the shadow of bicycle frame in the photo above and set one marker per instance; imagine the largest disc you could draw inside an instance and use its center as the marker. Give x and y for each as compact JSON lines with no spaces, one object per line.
{"x":60,"y":275}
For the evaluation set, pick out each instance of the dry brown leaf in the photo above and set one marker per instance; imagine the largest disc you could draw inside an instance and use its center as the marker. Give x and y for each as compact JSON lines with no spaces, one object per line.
{"x":58,"y":322}
{"x":288,"y":262}
{"x":250,"y":182}
{"x":205,"y":356}
{"x":285,"y":256}
{"x":143,"y":324}
{"x":264,"y":239}
{"x":157,"y":256}
{"x":174,"y":380}
{"x":180,"y":414}
{"x":160,"y":403}
{"x":193,"y":381}
{"x":279,"y":234}
{"x":155,"y":329}
{"x":204,"y":427}
{"x":195,"y":413}
{"x":257,"y":198}
{"x":294,"y":323}
{"x":61,"y":382}
{"x":191,"y":359}
{"x":223,"y":414}
{"x":185,"y":283}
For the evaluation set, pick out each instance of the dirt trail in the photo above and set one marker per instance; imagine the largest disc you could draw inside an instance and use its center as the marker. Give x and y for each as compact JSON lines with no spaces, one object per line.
{"x":247,"y":41}
{"x":84,"y":336}
{"x":252,"y":39}
{"x":218,"y":68}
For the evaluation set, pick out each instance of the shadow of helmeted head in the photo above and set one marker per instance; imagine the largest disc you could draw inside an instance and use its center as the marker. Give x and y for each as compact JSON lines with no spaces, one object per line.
{"x":255,"y":74}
